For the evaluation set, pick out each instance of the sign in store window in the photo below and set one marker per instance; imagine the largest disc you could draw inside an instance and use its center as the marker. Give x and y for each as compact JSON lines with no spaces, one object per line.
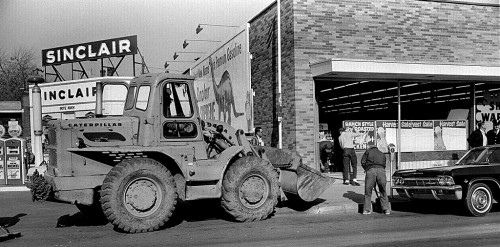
{"x":416,"y":135}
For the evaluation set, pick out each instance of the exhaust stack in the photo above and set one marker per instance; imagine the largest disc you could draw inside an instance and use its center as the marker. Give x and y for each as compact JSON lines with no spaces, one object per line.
{"x":98,"y":103}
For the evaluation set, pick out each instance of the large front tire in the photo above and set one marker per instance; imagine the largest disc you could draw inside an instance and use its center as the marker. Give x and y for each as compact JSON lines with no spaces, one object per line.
{"x":250,"y":189}
{"x":139,"y":195}
{"x":479,"y":199}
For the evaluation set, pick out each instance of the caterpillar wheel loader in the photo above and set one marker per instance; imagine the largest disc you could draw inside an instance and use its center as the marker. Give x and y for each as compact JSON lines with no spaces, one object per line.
{"x":135,"y":168}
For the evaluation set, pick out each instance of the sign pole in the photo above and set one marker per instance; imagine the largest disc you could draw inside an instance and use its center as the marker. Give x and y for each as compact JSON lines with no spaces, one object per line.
{"x":398,"y":139}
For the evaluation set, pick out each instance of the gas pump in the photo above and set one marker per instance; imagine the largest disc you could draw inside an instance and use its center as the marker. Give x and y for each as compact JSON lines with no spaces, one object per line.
{"x":3,"y":167}
{"x":14,"y":155}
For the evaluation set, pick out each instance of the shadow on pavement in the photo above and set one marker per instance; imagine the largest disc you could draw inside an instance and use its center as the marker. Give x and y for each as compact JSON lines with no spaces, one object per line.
{"x":210,"y":209}
{"x":201,"y":210}
{"x":299,"y":205}
{"x":185,"y":211}
{"x":355,"y":197}
{"x":10,"y":221}
{"x":80,"y":219}
{"x":192,"y":211}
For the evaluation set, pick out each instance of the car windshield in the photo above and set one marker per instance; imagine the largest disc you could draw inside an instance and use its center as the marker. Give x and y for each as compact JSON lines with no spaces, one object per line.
{"x":480,"y":156}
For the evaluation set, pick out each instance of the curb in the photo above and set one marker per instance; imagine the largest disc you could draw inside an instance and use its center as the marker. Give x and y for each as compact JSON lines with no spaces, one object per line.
{"x":334,"y":209}
{"x":348,"y":208}
{"x":321,"y":210}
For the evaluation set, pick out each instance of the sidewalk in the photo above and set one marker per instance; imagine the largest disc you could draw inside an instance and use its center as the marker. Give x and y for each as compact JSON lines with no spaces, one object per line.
{"x":338,"y":198}
{"x":9,"y":188}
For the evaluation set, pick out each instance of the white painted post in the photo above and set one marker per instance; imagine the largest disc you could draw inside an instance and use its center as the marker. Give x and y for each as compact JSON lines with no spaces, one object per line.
{"x":37,"y":119}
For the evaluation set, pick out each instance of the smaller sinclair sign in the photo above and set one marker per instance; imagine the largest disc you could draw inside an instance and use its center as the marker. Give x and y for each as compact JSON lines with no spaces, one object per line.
{"x":90,"y":51}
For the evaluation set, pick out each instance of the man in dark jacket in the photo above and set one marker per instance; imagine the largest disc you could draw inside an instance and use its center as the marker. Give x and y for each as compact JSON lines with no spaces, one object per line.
{"x":478,"y":137}
{"x":494,"y":134}
{"x":373,"y":162}
{"x":326,"y":146}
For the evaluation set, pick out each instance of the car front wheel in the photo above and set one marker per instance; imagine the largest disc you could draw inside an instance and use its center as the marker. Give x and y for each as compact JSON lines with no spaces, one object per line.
{"x":479,"y":199}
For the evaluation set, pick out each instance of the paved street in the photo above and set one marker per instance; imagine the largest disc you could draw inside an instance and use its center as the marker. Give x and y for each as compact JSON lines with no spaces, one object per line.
{"x":201,"y":224}
{"x":261,"y":104}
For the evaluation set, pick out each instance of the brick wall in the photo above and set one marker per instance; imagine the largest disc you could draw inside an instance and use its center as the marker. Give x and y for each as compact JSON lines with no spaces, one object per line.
{"x":263,"y":47}
{"x":395,"y":31}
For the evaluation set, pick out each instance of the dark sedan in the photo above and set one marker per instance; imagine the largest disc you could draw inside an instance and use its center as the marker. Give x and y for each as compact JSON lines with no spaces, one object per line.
{"x":474,"y":179}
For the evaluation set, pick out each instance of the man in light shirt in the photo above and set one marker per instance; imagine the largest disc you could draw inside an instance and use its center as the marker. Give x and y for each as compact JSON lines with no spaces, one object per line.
{"x":257,"y":138}
{"x":346,"y":140}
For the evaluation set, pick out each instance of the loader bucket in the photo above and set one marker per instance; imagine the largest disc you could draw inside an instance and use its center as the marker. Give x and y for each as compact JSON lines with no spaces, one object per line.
{"x":296,"y":178}
{"x":305,"y":182}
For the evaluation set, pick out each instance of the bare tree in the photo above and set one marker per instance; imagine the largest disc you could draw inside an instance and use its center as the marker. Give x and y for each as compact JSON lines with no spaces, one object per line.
{"x":14,"y":71}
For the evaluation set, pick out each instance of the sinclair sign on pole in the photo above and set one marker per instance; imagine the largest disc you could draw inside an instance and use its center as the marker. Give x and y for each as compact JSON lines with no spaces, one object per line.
{"x":90,"y":51}
{"x":222,"y":84}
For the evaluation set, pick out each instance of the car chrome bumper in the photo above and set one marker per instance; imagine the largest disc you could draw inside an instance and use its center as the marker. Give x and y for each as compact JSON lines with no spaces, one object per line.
{"x":430,"y":192}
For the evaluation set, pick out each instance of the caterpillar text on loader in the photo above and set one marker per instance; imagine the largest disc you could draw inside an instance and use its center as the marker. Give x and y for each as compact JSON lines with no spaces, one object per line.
{"x":134,"y":168}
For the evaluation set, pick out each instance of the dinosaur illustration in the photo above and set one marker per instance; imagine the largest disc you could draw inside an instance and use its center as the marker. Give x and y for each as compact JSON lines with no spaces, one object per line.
{"x":224,"y":94}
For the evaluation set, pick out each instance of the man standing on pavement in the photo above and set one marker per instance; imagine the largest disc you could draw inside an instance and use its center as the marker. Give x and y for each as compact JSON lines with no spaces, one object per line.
{"x":373,"y":162}
{"x":346,"y":140}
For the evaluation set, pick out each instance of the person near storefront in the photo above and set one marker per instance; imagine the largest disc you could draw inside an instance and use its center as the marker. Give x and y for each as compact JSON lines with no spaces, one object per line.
{"x":373,"y":162}
{"x":346,"y":140}
{"x":478,"y":137}
{"x":493,"y":135}
{"x":257,"y":138}
{"x":326,"y":146}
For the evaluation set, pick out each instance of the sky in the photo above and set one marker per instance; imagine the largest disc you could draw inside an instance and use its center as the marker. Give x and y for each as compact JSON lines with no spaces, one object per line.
{"x":161,"y":26}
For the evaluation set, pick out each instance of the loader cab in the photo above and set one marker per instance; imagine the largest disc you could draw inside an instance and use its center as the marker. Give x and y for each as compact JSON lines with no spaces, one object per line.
{"x":166,"y":107}
{"x":179,"y":120}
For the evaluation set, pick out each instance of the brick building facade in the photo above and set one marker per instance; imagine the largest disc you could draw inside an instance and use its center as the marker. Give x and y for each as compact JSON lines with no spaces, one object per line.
{"x":390,"y":31}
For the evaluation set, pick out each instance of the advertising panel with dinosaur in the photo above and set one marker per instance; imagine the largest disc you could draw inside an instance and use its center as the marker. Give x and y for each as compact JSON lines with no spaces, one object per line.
{"x":222,"y":83}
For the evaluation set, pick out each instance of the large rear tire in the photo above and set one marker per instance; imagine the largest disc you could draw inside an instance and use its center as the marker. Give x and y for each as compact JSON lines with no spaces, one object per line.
{"x":250,"y":189}
{"x":479,"y":199}
{"x":139,"y":195}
